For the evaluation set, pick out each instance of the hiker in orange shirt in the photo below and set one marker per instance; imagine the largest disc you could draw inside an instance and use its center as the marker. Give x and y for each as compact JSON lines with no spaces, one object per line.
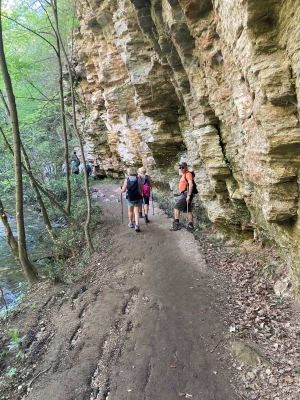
{"x":185,"y":198}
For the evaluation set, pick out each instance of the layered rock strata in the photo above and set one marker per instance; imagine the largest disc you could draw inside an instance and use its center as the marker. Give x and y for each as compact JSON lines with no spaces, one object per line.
{"x":213,"y":82}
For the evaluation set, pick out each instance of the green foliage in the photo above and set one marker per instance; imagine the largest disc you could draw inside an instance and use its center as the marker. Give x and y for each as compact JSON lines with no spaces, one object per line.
{"x":70,"y":253}
{"x":4,"y":314}
{"x":33,"y":66}
{"x":12,"y":371}
{"x":23,"y":288}
{"x":164,"y":202}
{"x":266,"y":267}
{"x":15,"y":344}
{"x":55,"y":271}
{"x":30,"y":43}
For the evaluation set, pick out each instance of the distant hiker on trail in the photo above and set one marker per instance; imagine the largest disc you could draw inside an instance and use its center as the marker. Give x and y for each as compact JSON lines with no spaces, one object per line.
{"x":75,"y":158}
{"x":147,"y":185}
{"x":53,"y":169}
{"x":88,"y":168}
{"x":47,"y":171}
{"x":133,"y":187}
{"x":63,"y":169}
{"x":74,"y":168}
{"x":185,"y":198}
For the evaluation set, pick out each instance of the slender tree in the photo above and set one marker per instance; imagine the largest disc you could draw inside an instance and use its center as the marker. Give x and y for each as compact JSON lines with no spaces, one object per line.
{"x":57,"y":50}
{"x":53,"y":4}
{"x":35,"y":183}
{"x":31,"y":179}
{"x":11,"y":240}
{"x":28,"y":268}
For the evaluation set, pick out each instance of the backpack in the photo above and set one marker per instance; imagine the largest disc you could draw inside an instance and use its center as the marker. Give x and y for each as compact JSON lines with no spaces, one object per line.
{"x":132,"y":190}
{"x":74,"y":166}
{"x":195,"y":190}
{"x":146,"y":188}
{"x":77,"y":161}
{"x":75,"y":158}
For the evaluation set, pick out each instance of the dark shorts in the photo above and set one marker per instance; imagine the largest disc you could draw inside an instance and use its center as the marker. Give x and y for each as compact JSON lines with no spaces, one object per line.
{"x":181,"y":203}
{"x":146,"y":199}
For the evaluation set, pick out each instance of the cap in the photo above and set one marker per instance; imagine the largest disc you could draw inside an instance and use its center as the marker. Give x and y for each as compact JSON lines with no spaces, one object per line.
{"x":182,"y":164}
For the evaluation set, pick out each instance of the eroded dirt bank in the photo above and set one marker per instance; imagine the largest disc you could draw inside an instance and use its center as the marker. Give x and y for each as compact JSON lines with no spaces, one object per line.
{"x":149,"y":320}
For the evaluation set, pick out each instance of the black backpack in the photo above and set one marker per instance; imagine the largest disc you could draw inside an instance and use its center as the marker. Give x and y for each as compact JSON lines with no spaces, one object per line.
{"x":75,"y":158}
{"x":195,"y":190}
{"x":133,"y":192}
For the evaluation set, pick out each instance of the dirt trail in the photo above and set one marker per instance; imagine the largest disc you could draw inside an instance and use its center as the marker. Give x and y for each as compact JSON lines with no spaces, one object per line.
{"x":145,"y":323}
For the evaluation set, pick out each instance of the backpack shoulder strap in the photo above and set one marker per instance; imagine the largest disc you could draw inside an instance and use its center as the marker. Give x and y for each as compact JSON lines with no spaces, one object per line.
{"x":186,"y":174}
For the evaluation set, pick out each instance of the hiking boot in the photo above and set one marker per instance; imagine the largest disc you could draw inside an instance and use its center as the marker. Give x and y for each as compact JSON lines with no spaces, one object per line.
{"x":137,"y":228}
{"x":190,"y":227}
{"x":176,"y":226}
{"x":146,"y":219}
{"x":130,"y":226}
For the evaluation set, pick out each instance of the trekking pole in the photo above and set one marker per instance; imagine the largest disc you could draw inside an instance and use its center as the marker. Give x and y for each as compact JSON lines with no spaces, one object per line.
{"x":187,"y":213}
{"x":122,"y":205}
{"x":187,"y":205}
{"x":152,"y":201}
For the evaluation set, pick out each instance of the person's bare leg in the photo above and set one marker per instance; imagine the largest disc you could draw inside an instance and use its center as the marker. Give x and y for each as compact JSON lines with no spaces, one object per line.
{"x":190,"y":217}
{"x":140,"y":211}
{"x":130,"y":214}
{"x":146,"y":207}
{"x":176,"y":213}
{"x":137,"y":215}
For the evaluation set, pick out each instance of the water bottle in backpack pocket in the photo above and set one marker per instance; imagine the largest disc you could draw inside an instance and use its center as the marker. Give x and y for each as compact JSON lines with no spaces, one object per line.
{"x":132,"y":190}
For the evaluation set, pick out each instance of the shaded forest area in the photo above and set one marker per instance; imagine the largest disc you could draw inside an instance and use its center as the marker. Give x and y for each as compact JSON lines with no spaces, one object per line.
{"x":39,"y":130}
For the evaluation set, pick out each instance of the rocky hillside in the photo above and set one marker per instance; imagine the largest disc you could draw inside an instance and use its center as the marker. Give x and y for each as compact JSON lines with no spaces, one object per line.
{"x":212,"y":82}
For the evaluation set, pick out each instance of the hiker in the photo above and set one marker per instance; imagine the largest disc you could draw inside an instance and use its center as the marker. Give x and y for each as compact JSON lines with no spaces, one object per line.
{"x":74,"y":168}
{"x":53,"y":169}
{"x":133,"y":187}
{"x":185,"y":198}
{"x":147,"y":185}
{"x":88,"y":168}
{"x":47,"y":171}
{"x":75,"y":158}
{"x":63,"y":169}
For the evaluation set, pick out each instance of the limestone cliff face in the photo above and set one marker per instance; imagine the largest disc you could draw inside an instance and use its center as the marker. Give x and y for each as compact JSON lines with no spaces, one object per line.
{"x":213,"y":82}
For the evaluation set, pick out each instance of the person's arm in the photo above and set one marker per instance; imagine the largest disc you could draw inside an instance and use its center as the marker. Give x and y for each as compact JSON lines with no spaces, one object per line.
{"x":141,"y":186}
{"x":123,"y":188}
{"x":190,"y":189}
{"x":150,"y":181}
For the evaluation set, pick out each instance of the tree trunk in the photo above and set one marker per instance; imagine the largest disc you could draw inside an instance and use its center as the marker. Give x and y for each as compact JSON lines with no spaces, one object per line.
{"x":38,"y":197}
{"x":31,"y":179}
{"x":86,"y":179}
{"x":13,"y":244}
{"x":62,"y":111}
{"x":29,"y":270}
{"x":38,"y":185}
